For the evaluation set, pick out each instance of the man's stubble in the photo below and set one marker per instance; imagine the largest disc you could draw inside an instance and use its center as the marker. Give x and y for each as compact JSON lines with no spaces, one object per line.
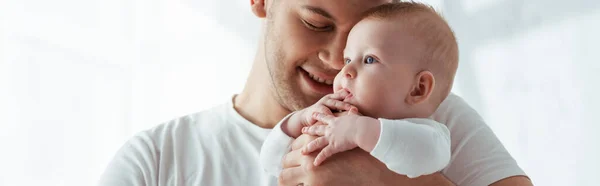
{"x":283,"y":87}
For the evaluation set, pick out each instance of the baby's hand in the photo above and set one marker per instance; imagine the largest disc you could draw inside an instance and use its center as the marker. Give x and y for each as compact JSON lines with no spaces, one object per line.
{"x":304,"y":117}
{"x":338,"y":135}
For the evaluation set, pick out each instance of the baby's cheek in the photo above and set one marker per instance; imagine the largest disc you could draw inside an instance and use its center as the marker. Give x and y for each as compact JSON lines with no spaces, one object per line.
{"x":337,"y":84}
{"x":358,"y":100}
{"x":368,"y":98}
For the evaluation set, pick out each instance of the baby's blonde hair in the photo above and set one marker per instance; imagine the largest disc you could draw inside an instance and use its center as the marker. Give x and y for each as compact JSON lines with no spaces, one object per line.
{"x":441,"y":49}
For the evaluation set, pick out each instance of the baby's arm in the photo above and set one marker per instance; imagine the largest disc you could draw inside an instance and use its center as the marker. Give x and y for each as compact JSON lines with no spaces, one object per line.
{"x":276,"y":145}
{"x":411,"y":147}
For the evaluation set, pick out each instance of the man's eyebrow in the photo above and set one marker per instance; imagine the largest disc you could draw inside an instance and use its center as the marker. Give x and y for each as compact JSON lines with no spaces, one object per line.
{"x":319,"y":11}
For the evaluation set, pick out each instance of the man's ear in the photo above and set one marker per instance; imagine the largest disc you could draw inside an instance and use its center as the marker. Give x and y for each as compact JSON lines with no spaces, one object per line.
{"x":258,"y":8}
{"x":422,"y":88}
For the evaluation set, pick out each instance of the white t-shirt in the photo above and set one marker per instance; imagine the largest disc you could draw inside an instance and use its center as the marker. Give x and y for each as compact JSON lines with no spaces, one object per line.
{"x":219,"y":147}
{"x":411,"y":146}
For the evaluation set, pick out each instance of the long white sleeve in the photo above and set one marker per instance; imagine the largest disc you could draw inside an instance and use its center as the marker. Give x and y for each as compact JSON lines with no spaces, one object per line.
{"x":413,"y":147}
{"x":276,"y":145}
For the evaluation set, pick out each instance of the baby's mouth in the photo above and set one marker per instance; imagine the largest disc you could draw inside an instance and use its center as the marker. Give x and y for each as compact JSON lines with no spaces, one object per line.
{"x":348,"y":97}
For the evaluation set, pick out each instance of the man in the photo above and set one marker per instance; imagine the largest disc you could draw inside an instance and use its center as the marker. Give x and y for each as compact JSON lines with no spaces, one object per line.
{"x":299,"y":54}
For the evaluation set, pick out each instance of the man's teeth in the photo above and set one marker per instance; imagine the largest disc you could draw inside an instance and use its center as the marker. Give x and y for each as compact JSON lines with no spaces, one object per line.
{"x":328,"y":82}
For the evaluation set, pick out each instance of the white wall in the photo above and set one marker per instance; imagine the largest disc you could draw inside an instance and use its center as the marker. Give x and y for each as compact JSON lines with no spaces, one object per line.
{"x":77,"y":78}
{"x":531,"y":69}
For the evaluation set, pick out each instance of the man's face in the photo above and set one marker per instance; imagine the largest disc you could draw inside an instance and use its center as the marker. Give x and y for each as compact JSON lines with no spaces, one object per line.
{"x":304,"y":40}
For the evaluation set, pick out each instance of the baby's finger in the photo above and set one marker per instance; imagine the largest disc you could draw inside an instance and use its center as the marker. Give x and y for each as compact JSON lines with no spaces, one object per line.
{"x":336,"y":104}
{"x":314,"y":145}
{"x":340,"y":95}
{"x":353,"y":110}
{"x":318,"y":109}
{"x":327,"y":119}
{"x":324,"y":154}
{"x":315,"y":130}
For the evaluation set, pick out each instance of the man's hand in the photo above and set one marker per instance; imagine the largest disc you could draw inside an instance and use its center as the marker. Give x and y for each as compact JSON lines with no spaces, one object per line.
{"x":354,"y":167}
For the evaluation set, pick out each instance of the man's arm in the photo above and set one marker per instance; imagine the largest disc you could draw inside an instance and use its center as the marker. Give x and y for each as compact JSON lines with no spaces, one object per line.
{"x":439,"y":179}
{"x":514,"y":181}
{"x":436,"y":179}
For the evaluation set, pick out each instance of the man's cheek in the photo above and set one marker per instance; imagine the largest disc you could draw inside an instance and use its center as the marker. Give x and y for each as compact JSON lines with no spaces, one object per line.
{"x":300,"y":49}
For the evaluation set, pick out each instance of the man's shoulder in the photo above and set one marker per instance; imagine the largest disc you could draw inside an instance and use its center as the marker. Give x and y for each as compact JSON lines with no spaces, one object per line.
{"x":190,"y":125}
{"x":455,"y":112}
{"x":175,"y":146}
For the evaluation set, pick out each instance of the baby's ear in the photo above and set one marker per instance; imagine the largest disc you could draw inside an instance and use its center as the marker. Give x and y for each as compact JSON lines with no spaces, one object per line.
{"x":422,"y":88}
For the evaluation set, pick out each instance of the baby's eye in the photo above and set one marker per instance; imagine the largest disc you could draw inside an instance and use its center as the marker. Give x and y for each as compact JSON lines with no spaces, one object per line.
{"x":370,"y":60}
{"x":347,"y":61}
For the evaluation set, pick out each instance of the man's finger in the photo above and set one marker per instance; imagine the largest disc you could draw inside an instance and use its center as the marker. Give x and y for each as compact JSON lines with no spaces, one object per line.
{"x":302,"y":140}
{"x":324,"y":154}
{"x":327,"y":119}
{"x":314,"y":145}
{"x":315,"y":130}
{"x":292,"y":159}
{"x":291,"y":176}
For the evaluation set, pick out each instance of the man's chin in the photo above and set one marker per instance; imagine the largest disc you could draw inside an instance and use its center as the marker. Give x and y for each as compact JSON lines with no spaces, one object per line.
{"x":297,"y":100}
{"x":308,"y":99}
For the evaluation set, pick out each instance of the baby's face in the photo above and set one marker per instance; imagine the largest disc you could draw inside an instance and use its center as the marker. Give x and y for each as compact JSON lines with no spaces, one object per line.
{"x":380,"y":68}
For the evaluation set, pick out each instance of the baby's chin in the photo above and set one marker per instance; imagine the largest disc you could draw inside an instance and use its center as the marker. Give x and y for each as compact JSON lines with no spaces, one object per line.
{"x":354,"y":102}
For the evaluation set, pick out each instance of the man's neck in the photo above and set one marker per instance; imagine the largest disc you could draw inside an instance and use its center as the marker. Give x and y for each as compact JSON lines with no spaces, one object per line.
{"x":256,"y":102}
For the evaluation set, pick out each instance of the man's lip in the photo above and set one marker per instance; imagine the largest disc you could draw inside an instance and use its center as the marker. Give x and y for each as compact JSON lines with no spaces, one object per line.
{"x":314,"y":85}
{"x":320,"y":74}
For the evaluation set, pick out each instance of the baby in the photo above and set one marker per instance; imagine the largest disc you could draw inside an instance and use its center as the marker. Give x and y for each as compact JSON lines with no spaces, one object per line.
{"x":401,"y":59}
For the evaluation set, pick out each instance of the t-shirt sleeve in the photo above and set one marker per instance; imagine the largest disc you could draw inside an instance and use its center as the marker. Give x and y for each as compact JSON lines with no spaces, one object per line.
{"x":478,"y":156}
{"x":276,"y":145}
{"x":413,"y":147}
{"x":133,"y":165}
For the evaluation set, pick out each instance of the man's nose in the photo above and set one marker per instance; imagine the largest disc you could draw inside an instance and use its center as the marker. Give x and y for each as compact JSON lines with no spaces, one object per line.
{"x":332,"y":54}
